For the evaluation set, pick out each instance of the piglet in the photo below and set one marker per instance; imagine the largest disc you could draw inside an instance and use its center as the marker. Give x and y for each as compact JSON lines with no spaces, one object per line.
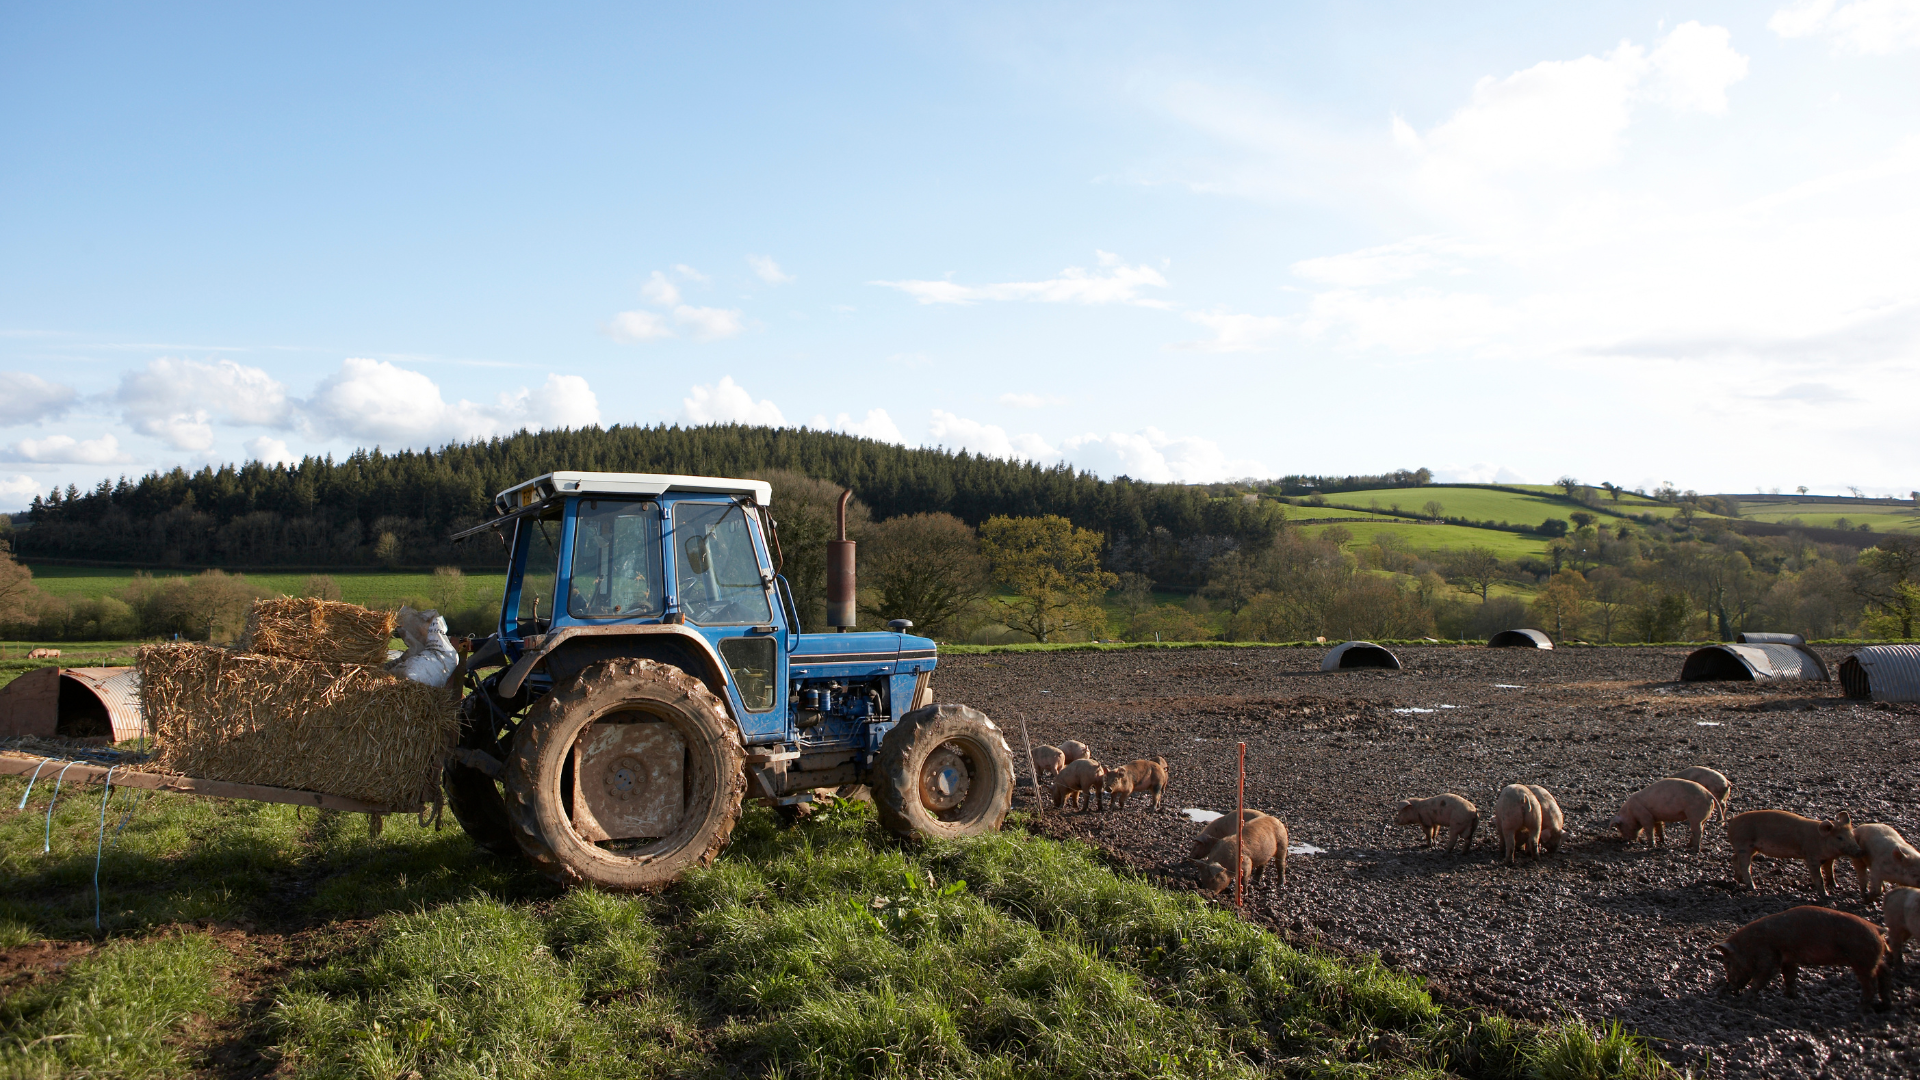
{"x":1264,"y":844}
{"x":1553,"y":824}
{"x":1217,"y":828}
{"x":1902,"y":911}
{"x":1714,"y":781}
{"x":1885,"y":856}
{"x":1048,"y":760}
{"x":1672,"y":799}
{"x":1451,"y":812}
{"x":1517,"y":815}
{"x":1080,"y":779}
{"x":1808,"y":936}
{"x":1075,"y":750}
{"x":1139,"y":774}
{"x":1781,"y":835}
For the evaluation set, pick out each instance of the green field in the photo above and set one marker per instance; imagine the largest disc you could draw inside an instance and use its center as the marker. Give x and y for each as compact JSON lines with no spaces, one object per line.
{"x":1483,"y":504}
{"x":1310,"y":513}
{"x":374,"y":588}
{"x":1419,"y":537}
{"x":1828,"y":515}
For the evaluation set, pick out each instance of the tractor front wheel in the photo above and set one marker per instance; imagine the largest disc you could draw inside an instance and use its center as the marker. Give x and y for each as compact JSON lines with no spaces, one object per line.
{"x":944,"y":770}
{"x":625,"y":778}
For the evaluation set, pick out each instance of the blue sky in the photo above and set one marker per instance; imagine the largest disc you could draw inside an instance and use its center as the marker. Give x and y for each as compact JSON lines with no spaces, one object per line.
{"x":1627,"y":242}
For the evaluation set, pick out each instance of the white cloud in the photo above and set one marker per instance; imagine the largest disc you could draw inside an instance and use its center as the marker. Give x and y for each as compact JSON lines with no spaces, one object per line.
{"x":991,"y":440}
{"x":1480,"y":472}
{"x":1381,"y":265}
{"x":67,"y":450}
{"x":632,"y":326}
{"x":1872,"y":27}
{"x":877,"y":425}
{"x":661,"y":291}
{"x":727,"y":402}
{"x":688,"y":273}
{"x":1114,"y":283}
{"x":26,"y":398}
{"x":768,"y":270}
{"x":710,"y":324}
{"x":1692,"y":69}
{"x":1237,"y":332}
{"x":17,"y":490}
{"x":270,"y":452}
{"x":375,"y":401}
{"x":177,"y":401}
{"x":1154,"y":456}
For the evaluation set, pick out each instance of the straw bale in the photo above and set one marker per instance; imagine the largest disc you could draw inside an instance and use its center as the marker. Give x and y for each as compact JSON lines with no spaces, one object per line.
{"x":305,"y":628}
{"x":343,"y":729}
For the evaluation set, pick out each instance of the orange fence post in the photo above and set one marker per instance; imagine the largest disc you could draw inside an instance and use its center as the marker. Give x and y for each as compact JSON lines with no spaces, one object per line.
{"x":1240,"y":827}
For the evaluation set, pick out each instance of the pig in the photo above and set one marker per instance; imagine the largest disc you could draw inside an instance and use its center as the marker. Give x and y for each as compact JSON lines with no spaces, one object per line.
{"x":1079,"y":779}
{"x":1808,"y":936}
{"x":1139,"y":774}
{"x":1075,"y":750}
{"x":1782,"y":835}
{"x":1517,"y":815}
{"x":1217,"y":828}
{"x":1713,"y":781}
{"x":1213,"y":877}
{"x":1265,"y":844}
{"x":44,"y":654}
{"x":1902,"y":911}
{"x":1885,"y":856}
{"x":1048,"y":761}
{"x":1672,"y":799}
{"x":1553,"y":824}
{"x":1451,"y":812}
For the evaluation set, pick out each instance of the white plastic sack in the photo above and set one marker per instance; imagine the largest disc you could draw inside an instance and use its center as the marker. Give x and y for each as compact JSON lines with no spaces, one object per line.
{"x":430,"y":656}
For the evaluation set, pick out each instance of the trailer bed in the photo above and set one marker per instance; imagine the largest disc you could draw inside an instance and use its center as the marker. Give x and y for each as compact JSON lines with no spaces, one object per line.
{"x":90,"y":766}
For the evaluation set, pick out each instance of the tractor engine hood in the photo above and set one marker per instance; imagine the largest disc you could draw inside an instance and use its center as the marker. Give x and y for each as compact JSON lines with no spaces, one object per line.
{"x":861,"y":653}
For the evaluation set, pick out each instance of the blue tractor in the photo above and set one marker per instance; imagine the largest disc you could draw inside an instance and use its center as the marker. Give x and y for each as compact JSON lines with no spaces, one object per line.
{"x":650,"y":673}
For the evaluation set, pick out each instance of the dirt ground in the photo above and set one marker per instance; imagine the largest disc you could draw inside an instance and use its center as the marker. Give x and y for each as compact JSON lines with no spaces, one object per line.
{"x":1600,"y":930}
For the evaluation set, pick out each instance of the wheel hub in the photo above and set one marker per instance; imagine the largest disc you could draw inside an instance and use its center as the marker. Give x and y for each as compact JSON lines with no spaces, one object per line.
{"x":944,"y":780}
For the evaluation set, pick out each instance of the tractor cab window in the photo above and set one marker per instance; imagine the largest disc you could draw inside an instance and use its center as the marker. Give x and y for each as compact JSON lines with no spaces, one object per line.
{"x":616,"y":561}
{"x":718,"y":574}
{"x":541,"y":538}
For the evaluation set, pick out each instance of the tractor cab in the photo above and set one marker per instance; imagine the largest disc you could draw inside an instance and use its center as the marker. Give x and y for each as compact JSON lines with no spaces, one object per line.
{"x":620,"y":584}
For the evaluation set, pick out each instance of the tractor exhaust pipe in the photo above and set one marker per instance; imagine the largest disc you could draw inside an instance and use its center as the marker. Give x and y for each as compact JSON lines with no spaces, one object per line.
{"x":840,"y":583}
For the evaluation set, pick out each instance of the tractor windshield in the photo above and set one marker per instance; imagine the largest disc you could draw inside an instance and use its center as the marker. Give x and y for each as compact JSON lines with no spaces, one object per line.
{"x":616,"y":561}
{"x":541,"y":538}
{"x":719,"y":575}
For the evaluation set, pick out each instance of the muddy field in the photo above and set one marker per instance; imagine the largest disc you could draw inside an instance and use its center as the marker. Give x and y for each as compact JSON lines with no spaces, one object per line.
{"x":1600,"y":930}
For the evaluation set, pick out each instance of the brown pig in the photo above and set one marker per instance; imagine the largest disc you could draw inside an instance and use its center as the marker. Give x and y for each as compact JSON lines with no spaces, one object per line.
{"x":1217,"y":828}
{"x":1265,"y":844}
{"x":1451,"y":812}
{"x":1672,"y":799}
{"x":1553,"y":824}
{"x":1136,"y":775}
{"x":1048,"y":760}
{"x":1713,"y":781}
{"x":1075,"y":750}
{"x":1213,"y":877}
{"x":1081,"y":780}
{"x":1902,"y":911}
{"x":1808,"y":936}
{"x":1778,"y":834}
{"x":1517,"y":815}
{"x":1885,"y":856}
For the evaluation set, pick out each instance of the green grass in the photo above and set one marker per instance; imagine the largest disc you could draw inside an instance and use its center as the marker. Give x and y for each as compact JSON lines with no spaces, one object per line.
{"x":370,"y":587}
{"x":1483,"y":504}
{"x":1426,"y":537}
{"x":827,"y":949}
{"x":1882,"y":518}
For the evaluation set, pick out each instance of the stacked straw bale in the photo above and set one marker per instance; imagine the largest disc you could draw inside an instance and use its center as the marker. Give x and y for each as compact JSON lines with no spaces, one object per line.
{"x":343,"y":729}
{"x":304,"y":628}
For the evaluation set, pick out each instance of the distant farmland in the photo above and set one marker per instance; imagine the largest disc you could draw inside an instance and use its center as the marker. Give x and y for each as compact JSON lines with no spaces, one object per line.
{"x":370,"y":587}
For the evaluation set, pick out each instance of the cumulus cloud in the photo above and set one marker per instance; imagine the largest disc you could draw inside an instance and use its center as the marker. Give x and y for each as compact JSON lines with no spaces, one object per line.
{"x":1238,"y":331}
{"x":767,"y":270}
{"x":1480,"y":472}
{"x":709,"y":324}
{"x":67,"y":450}
{"x":1154,"y":456}
{"x":639,"y":326}
{"x":992,"y":440}
{"x":1113,"y":283}
{"x":269,"y":451}
{"x":661,"y":291}
{"x":727,"y":402}
{"x":877,"y":425}
{"x":178,"y":401}
{"x":700,"y":323}
{"x":375,"y":401}
{"x":17,"y":490}
{"x":1872,"y":27}
{"x":26,"y":398}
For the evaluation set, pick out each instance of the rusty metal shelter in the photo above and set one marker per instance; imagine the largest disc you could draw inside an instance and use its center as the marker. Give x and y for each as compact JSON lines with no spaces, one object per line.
{"x":1882,"y":673}
{"x":1358,"y":654}
{"x":1771,"y":662}
{"x":94,"y":704}
{"x":1520,"y":639}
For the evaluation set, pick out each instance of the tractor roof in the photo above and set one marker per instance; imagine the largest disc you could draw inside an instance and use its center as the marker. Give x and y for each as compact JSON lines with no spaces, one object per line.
{"x":541,"y":488}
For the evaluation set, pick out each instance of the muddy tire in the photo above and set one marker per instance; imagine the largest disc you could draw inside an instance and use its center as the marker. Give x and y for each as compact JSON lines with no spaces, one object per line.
{"x":943,"y":771}
{"x":472,"y":795}
{"x":714,"y":775}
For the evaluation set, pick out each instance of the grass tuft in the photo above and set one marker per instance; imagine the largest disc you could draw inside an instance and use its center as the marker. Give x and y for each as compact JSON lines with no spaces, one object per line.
{"x":115,"y":1014}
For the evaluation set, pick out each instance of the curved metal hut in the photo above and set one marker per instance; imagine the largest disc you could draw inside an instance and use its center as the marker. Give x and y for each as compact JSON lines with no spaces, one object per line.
{"x":1520,"y":639}
{"x":1752,"y":638}
{"x":1754,"y":663}
{"x":1358,"y":654}
{"x":96,"y":704}
{"x":1882,"y":673}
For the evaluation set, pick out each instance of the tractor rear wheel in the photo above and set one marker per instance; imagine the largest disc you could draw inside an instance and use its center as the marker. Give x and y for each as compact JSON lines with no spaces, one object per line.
{"x":686,"y":791}
{"x":944,"y":770}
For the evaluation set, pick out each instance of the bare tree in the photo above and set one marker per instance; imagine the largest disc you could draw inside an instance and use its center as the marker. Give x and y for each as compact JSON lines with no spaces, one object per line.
{"x":1568,"y":484}
{"x":1435,"y":508}
{"x":1480,"y":567}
